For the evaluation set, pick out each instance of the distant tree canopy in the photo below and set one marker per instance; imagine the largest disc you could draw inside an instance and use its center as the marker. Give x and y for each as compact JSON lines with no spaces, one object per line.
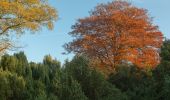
{"x":21,"y":80}
{"x":117,"y":33}
{"x":16,"y":16}
{"x":76,"y":80}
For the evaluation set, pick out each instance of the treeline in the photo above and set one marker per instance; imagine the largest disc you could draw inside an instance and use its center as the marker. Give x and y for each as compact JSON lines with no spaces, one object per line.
{"x":76,"y":80}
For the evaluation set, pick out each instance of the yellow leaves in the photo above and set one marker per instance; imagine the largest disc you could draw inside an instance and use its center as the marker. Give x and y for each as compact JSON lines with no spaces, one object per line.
{"x":20,"y":15}
{"x":32,"y":26}
{"x":5,"y":7}
{"x":31,"y":14}
{"x":33,"y":1}
{"x":50,"y":25}
{"x":4,"y":4}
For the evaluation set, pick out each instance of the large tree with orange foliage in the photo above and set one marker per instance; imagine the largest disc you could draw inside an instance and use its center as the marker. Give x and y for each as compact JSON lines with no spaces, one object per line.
{"x":117,"y":33}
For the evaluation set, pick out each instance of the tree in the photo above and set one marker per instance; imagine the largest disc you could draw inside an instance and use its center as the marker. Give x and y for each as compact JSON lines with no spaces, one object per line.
{"x":165,"y":51}
{"x":162,"y":73}
{"x":8,"y":63}
{"x":11,"y":86}
{"x":135,"y":83}
{"x":93,"y":83}
{"x":53,"y":72}
{"x":17,"y":63}
{"x":71,"y":89}
{"x":18,"y":15}
{"x":117,"y":33}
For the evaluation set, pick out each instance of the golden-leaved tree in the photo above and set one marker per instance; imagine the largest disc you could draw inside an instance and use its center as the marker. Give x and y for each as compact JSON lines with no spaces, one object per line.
{"x":117,"y":33}
{"x":16,"y":16}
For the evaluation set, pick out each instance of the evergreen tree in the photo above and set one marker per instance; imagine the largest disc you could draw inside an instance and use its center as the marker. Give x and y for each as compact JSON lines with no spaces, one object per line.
{"x":71,"y":89}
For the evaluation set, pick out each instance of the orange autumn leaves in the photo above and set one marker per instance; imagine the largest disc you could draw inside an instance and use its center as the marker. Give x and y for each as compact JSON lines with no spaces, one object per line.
{"x":117,"y":33}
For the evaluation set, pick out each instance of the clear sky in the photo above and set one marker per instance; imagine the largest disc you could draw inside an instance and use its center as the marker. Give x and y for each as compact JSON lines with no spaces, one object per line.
{"x":50,"y":42}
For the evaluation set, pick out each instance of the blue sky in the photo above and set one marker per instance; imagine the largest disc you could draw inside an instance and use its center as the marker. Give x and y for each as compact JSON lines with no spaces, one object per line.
{"x":46,"y":42}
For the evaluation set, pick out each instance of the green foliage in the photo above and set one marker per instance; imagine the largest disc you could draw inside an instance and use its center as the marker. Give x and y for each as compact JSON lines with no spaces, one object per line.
{"x":71,"y":89}
{"x":11,"y":86}
{"x":16,"y":63}
{"x":93,"y":83}
{"x":165,"y":51}
{"x":77,"y":80}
